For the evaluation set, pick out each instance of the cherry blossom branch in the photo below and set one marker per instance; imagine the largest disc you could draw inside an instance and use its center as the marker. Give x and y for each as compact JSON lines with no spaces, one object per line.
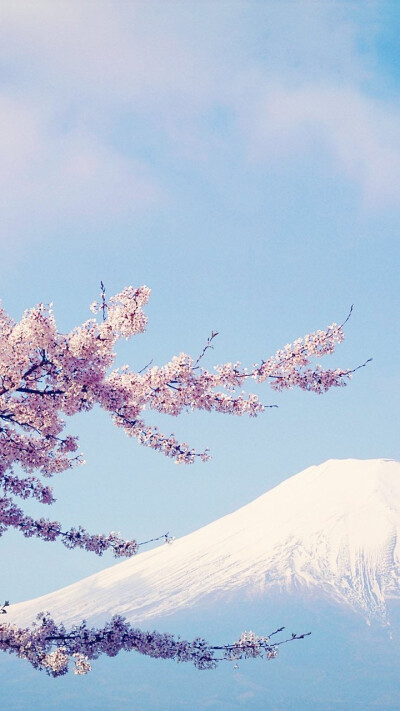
{"x":208,"y":345}
{"x":13,"y":517}
{"x":31,"y":391}
{"x":166,"y":537}
{"x":50,"y":647}
{"x":46,"y":375}
{"x":27,"y":487}
{"x":318,"y":343}
{"x":354,"y":370}
{"x":249,"y":645}
{"x":145,"y":366}
{"x":103,"y":300}
{"x":151,"y":437}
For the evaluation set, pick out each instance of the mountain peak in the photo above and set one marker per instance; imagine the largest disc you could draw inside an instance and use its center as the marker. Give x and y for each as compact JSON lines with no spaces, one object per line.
{"x":332,"y":529}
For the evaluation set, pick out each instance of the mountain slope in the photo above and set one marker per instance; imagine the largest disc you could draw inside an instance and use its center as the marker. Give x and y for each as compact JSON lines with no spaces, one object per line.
{"x":333,"y":529}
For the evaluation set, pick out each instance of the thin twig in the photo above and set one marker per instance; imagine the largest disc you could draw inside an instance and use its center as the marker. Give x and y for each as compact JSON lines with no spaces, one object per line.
{"x":349,"y":372}
{"x":103,"y":300}
{"x":206,"y":347}
{"x":145,"y":367}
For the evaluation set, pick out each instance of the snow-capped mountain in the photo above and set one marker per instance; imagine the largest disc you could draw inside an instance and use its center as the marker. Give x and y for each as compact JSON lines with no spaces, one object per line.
{"x":332,"y":529}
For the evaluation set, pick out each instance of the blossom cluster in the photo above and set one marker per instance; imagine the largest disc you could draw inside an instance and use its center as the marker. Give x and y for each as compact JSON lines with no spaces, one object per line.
{"x":46,"y":375}
{"x":12,"y":516}
{"x":51,"y":647}
{"x":249,"y":645}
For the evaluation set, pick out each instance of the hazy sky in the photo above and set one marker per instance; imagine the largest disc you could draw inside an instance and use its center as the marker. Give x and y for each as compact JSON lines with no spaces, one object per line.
{"x":243,"y":160}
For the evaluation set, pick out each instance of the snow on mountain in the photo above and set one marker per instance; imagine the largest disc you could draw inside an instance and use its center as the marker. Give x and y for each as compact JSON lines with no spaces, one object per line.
{"x":332,"y":529}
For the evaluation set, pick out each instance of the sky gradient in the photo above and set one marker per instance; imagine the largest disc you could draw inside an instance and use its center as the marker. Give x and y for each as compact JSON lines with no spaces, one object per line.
{"x":242,"y":159}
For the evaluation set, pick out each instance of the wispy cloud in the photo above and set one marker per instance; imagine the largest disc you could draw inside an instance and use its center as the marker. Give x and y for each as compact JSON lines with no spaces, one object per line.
{"x":49,"y":174}
{"x":359,"y":135}
{"x":291,"y":77}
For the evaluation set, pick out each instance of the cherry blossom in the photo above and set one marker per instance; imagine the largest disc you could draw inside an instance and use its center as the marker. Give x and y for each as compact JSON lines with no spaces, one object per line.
{"x":50,"y":647}
{"x":46,"y":376}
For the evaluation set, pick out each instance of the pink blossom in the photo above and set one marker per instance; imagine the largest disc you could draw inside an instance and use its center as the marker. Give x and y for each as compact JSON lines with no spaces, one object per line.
{"x":50,"y":647}
{"x":45,"y":374}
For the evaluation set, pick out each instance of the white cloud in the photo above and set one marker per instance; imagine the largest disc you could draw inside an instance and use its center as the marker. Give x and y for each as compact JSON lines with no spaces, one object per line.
{"x":137,"y":53}
{"x":48,"y":175}
{"x":290,"y":75}
{"x":359,"y":134}
{"x":72,"y":71}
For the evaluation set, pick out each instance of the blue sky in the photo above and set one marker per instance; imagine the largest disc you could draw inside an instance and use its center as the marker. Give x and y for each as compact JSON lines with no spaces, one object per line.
{"x":243,"y":160}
